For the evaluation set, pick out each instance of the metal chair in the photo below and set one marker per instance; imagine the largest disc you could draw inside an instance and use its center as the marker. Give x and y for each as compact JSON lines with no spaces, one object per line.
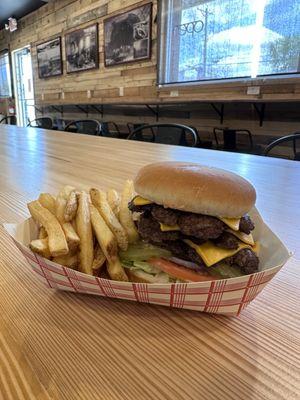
{"x":110,"y":129}
{"x":9,"y":120}
{"x":230,"y":137}
{"x":85,"y":126}
{"x":42,"y":122}
{"x":59,"y":124}
{"x":285,"y":139}
{"x":131,"y":126}
{"x":204,"y":144}
{"x":166,"y":133}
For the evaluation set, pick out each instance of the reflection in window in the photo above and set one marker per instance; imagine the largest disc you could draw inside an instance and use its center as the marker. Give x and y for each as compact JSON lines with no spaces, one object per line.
{"x":5,"y":78}
{"x":224,"y":39}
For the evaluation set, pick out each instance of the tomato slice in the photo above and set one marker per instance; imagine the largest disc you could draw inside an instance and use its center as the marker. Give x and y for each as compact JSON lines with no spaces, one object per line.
{"x":179,"y":272}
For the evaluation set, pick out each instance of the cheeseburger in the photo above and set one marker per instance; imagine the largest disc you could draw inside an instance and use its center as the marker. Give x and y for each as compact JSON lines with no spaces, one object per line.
{"x":199,"y":215}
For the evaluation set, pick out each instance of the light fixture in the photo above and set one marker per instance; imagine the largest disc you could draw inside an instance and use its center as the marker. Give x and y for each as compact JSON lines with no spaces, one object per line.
{"x":12,"y":24}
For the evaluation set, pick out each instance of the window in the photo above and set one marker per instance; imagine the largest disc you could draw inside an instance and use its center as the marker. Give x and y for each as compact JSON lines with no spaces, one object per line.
{"x":225,"y":39}
{"x":5,"y":78}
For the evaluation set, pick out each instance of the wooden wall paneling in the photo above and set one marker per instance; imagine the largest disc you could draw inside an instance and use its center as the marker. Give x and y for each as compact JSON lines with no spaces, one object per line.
{"x":59,"y":17}
{"x":137,"y":81}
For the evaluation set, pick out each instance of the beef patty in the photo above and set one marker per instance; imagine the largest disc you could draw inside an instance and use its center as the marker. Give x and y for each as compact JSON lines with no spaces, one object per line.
{"x":166,"y":216}
{"x":196,"y":227}
{"x":246,"y":224}
{"x":201,"y":226}
{"x":246,"y":259}
{"x":149,"y":229}
{"x":169,"y":216}
{"x":180,"y":249}
{"x":227,"y":241}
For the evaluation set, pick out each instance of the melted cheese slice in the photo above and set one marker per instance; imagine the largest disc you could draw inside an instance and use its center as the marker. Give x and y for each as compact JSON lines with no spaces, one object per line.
{"x":256,"y":248}
{"x":167,"y":228}
{"x":248,"y":239}
{"x":212,"y":254}
{"x":233,"y":223}
{"x":140,"y":201}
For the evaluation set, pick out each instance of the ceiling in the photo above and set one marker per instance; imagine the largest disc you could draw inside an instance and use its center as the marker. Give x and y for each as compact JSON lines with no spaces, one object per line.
{"x":17,"y":8}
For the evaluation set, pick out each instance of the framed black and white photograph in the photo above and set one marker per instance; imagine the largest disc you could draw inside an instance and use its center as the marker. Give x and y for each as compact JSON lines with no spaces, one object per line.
{"x":127,"y":36}
{"x":82,"y":53}
{"x":49,"y":58}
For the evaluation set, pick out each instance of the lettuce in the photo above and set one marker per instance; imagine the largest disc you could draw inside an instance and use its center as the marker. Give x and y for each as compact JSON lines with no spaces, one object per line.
{"x":140,"y":265}
{"x":223,"y":270}
{"x":142,"y":252}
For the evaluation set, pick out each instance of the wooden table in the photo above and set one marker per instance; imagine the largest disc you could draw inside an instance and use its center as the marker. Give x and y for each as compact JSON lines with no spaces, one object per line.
{"x":55,"y":345}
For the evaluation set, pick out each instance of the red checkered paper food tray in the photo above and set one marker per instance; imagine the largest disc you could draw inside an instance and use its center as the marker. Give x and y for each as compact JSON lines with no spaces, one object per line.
{"x":226,"y":296}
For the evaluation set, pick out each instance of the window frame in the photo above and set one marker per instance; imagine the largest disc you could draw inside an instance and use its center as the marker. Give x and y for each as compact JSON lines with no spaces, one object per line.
{"x":4,"y":52}
{"x":259,"y":80}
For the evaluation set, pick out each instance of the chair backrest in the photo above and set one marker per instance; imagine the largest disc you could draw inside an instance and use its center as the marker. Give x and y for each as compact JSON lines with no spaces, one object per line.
{"x":199,"y":141}
{"x":285,"y":139}
{"x":131,"y":126}
{"x":232,"y":132}
{"x":9,"y":120}
{"x":248,"y":133}
{"x":42,"y":122}
{"x":178,"y":134}
{"x":86,"y":126}
{"x":110,"y":129}
{"x":59,"y":124}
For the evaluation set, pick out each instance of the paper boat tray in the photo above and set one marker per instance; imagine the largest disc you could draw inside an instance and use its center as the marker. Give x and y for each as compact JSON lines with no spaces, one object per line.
{"x":226,"y":296}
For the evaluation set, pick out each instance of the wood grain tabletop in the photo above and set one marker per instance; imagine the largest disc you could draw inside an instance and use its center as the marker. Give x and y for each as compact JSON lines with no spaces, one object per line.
{"x":55,"y":345}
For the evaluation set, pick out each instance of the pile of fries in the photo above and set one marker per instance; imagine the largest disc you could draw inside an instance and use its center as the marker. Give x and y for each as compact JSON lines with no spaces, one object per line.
{"x":84,"y":231}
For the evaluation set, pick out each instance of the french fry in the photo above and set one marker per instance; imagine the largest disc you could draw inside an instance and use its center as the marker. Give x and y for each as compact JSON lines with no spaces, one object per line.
{"x":113,"y":200}
{"x":85,"y":233}
{"x":61,"y":202}
{"x":71,"y":235}
{"x":99,"y":200}
{"x":99,"y":260}
{"x":71,"y":207}
{"x":42,"y":233}
{"x":73,"y":223}
{"x":66,"y":190}
{"x":70,"y":261}
{"x":56,"y":238}
{"x":116,"y":271}
{"x":104,"y":235}
{"x":108,"y":244}
{"x":40,"y":246}
{"x":125,"y":214}
{"x":60,"y":207}
{"x":47,"y":201}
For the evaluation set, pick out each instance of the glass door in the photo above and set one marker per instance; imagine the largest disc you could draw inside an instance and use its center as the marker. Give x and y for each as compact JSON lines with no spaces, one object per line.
{"x":23,"y":82}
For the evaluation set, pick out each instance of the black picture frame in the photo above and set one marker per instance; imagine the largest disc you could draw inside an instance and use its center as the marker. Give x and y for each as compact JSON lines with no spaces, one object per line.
{"x":49,"y":58}
{"x":79,"y":56}
{"x":128,"y":36}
